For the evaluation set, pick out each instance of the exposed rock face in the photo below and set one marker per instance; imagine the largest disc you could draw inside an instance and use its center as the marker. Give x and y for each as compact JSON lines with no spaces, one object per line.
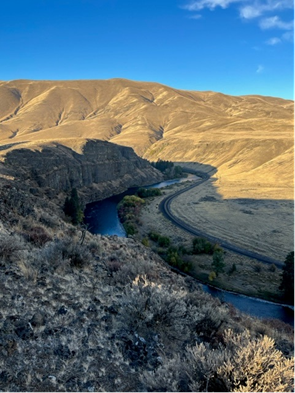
{"x":103,"y":169}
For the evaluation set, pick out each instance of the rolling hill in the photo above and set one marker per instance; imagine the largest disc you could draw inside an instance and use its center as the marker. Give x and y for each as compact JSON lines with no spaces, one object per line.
{"x":249,"y":139}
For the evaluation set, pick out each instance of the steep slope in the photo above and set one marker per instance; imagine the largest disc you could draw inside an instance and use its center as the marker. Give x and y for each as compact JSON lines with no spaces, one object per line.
{"x":248,"y":138}
{"x":99,"y":170}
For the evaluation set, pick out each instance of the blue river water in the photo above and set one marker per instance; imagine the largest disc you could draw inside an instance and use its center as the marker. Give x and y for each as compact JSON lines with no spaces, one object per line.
{"x":102,"y":218}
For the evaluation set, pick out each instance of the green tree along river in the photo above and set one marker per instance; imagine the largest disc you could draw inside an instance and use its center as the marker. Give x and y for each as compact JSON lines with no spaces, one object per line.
{"x":102,"y":218}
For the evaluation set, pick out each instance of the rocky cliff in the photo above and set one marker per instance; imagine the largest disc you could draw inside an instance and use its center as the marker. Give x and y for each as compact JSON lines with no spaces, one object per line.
{"x":99,"y":170}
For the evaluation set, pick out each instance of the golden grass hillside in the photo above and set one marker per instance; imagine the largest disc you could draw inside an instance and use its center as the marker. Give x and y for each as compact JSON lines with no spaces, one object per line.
{"x":249,"y":139}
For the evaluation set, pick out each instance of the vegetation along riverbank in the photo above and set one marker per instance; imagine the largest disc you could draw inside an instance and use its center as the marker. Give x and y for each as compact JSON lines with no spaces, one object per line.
{"x":202,"y":259}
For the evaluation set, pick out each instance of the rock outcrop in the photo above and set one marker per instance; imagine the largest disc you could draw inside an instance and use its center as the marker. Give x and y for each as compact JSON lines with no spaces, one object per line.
{"x":101,"y":169}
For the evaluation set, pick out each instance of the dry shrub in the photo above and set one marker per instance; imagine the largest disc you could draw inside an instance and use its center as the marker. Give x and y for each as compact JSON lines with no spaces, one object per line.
{"x":131,"y":268}
{"x":61,"y":254}
{"x":151,"y":309}
{"x":10,"y":246}
{"x":38,"y":236}
{"x":113,"y":265}
{"x":176,"y":315}
{"x":94,"y":246}
{"x":48,"y":220}
{"x":169,"y":378}
{"x":254,"y":365}
{"x":28,"y":270}
{"x":242,"y":364}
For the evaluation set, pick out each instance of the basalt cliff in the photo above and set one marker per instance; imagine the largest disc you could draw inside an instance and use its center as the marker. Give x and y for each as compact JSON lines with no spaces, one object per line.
{"x":99,"y":170}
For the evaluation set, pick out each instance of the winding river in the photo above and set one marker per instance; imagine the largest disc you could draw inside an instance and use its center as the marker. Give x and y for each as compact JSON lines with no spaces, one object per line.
{"x":102,"y":218}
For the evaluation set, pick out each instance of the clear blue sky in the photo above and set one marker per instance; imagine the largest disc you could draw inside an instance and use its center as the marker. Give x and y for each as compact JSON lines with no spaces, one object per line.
{"x":231,"y":46}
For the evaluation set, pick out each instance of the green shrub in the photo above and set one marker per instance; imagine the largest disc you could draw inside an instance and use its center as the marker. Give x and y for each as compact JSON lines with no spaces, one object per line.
{"x":148,"y":192}
{"x":145,"y":242}
{"x":212,"y":276}
{"x":287,"y":283}
{"x":154,"y":236}
{"x":131,"y":201}
{"x":218,"y":262}
{"x":202,"y":246}
{"x":129,"y":228}
{"x":164,"y":241}
{"x":232,"y":269}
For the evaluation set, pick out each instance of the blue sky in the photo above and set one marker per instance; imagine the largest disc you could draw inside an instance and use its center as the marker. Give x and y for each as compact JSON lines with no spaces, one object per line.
{"x":232,"y":46}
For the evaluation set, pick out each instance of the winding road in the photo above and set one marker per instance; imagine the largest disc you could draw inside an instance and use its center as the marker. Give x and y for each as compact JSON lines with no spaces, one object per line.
{"x":165,"y":208}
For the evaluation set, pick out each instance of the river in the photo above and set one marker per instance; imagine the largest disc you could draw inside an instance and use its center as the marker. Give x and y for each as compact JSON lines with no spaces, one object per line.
{"x":102,"y":218}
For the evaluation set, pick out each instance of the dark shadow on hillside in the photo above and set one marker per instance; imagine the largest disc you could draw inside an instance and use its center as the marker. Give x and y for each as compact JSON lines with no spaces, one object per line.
{"x":262,"y":226}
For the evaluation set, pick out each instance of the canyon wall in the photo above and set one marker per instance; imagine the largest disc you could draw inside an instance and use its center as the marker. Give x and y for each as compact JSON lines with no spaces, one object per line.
{"x":101,"y":169}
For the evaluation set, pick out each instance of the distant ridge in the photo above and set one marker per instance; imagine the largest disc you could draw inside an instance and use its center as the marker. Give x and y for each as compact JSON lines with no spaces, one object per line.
{"x":249,"y":137}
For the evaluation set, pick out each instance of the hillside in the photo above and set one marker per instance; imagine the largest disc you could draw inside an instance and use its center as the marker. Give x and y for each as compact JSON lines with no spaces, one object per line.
{"x":84,"y":312}
{"x":106,"y":314}
{"x":249,"y":139}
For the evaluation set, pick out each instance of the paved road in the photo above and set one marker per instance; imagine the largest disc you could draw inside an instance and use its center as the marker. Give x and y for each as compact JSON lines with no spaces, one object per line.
{"x":165,"y":207}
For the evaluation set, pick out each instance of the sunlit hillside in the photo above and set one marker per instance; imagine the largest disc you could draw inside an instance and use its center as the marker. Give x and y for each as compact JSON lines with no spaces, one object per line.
{"x":249,"y":139}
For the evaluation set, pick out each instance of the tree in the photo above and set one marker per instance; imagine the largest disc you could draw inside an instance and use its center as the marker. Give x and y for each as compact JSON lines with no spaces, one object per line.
{"x":287,"y":283}
{"x":218,"y":262}
{"x":72,"y":207}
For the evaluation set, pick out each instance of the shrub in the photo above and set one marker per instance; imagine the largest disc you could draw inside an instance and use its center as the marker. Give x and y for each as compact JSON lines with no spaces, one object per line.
{"x":218,"y":262}
{"x":38,"y":236}
{"x":129,"y":228}
{"x":255,"y":365}
{"x":212,"y":276}
{"x":232,"y":269}
{"x":257,"y":268}
{"x":154,"y":236}
{"x":201,"y":245}
{"x":164,"y":241}
{"x":145,"y":242}
{"x":148,"y":192}
{"x":241,"y":364}
{"x":272,"y":268}
{"x":287,"y":283}
{"x":153,"y":309}
{"x":61,"y":254}
{"x":131,"y":201}
{"x":10,"y":246}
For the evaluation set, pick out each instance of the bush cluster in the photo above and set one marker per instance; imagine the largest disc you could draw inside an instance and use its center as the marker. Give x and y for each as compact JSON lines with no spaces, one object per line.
{"x":128,"y":211}
{"x":241,"y":364}
{"x":148,"y":192}
{"x":168,"y":168}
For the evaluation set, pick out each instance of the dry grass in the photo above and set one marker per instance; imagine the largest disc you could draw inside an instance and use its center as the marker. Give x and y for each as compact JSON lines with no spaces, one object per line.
{"x":248,"y":139}
{"x":246,"y":279}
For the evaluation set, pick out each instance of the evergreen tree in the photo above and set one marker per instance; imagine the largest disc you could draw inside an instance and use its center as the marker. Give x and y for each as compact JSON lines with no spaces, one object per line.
{"x":218,"y":262}
{"x":287,"y":283}
{"x":72,"y":207}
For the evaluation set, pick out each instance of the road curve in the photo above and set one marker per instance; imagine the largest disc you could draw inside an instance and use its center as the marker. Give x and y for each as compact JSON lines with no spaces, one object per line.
{"x":165,"y":208}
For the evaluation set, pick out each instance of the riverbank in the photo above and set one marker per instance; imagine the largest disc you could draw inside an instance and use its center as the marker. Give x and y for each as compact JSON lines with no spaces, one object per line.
{"x":250,"y":277}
